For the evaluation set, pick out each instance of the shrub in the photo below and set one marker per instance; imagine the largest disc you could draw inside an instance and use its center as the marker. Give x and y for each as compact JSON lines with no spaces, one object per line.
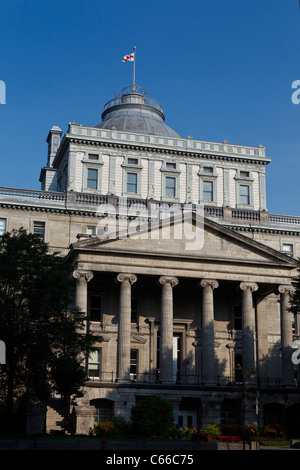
{"x":152,"y":417}
{"x":104,"y":429}
{"x":211,"y":430}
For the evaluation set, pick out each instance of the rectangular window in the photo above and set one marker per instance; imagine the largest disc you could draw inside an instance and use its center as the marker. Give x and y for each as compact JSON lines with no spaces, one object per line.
{"x":238,"y":368}
{"x":237,"y":317}
{"x":287,"y":248}
{"x":171,"y":166}
{"x":244,"y":194}
{"x":134,"y":310}
{"x":2,"y":226}
{"x":133,"y":161}
{"x":208,"y":191}
{"x":94,"y":364}
{"x":208,"y":169}
{"x":134,"y":355}
{"x":132,"y":182}
{"x":92,"y":178}
{"x":95,"y":310}
{"x":170,"y":186}
{"x":93,"y":156}
{"x":39,"y":229}
{"x":91,"y":230}
{"x":244,"y":174}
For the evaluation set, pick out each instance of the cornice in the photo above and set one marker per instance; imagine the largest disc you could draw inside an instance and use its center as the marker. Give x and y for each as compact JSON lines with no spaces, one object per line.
{"x":263,"y":161}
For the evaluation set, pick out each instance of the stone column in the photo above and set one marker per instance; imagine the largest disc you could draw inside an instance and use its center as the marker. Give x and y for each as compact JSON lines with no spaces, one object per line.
{"x":166,"y":328}
{"x":208,"y":348}
{"x":248,"y":328}
{"x":286,"y":335}
{"x":126,"y":280}
{"x":83,"y":277}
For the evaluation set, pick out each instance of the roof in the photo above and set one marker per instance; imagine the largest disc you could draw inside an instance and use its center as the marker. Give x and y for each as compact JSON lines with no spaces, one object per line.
{"x":132,"y":111}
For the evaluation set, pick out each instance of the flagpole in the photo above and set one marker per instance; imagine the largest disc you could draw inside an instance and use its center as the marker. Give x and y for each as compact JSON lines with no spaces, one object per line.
{"x":133,"y":86}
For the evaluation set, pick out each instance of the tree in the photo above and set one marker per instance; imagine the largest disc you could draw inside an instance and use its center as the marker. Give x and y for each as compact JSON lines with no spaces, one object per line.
{"x":152,"y":416}
{"x":45,"y":340}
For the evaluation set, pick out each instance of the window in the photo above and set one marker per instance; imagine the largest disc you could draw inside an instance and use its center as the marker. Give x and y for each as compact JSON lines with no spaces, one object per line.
{"x":244,"y":174}
{"x":91,"y":230}
{"x":94,"y":364}
{"x":95,"y":310}
{"x":39,"y":229}
{"x":170,"y":186}
{"x":171,"y":166}
{"x":244,"y":194}
{"x":93,"y":156}
{"x":134,"y":354}
{"x":133,"y":161}
{"x":208,"y":191}
{"x":132,"y":182}
{"x":92,"y":178}
{"x":238,"y":368}
{"x":287,"y":248}
{"x":2,"y":226}
{"x":237,"y":317}
{"x":134,"y":310}
{"x":208,"y":169}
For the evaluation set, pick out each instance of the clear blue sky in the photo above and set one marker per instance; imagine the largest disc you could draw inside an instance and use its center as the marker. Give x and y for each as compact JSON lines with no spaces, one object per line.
{"x":222,"y":69}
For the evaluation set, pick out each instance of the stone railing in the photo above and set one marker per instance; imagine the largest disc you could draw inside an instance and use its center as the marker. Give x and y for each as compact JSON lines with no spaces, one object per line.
{"x":189,"y":379}
{"x":284,"y":219}
{"x":90,"y":202}
{"x":189,"y":144}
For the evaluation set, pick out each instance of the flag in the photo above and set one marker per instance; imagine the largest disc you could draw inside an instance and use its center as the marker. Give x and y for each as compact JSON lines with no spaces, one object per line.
{"x":129,"y":57}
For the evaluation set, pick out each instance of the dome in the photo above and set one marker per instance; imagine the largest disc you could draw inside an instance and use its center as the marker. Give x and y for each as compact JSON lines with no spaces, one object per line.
{"x":131,"y":111}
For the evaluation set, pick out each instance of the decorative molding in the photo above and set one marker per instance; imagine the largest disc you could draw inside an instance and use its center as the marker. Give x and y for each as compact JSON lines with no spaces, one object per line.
{"x":132,"y":278}
{"x":173,"y":281}
{"x":81,"y":274}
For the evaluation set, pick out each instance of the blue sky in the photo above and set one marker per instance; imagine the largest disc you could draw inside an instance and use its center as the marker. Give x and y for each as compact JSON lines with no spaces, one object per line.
{"x":221,"y":69}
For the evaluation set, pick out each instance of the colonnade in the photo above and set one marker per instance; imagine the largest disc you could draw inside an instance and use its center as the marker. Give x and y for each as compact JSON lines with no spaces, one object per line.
{"x":208,"y":286}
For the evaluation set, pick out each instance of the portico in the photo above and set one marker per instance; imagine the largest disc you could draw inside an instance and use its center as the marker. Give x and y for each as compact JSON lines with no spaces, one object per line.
{"x":184,"y":295}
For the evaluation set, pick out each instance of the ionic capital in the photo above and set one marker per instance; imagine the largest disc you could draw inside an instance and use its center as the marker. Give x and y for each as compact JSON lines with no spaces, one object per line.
{"x":164,"y":280}
{"x":209,"y":283}
{"x":83,"y":275}
{"x":285,"y":289}
{"x":132,"y":278}
{"x":252,"y":286}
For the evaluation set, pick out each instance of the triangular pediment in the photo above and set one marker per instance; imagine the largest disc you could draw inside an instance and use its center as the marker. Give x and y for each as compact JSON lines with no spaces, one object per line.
{"x":191,"y":237}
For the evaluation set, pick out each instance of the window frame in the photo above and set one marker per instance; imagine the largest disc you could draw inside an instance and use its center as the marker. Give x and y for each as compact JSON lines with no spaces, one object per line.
{"x":100,"y":320}
{"x":208,"y":174}
{"x":42,"y":234}
{"x":241,"y":180}
{"x":97,"y":363}
{"x":89,"y":169}
{"x":134,"y":364}
{"x":3,"y":231}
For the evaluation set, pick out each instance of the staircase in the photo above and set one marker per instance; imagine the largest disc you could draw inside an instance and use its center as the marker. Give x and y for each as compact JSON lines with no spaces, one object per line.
{"x":57,"y":420}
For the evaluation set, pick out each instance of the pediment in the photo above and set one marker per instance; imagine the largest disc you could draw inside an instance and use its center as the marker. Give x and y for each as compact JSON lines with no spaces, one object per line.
{"x":191,"y":238}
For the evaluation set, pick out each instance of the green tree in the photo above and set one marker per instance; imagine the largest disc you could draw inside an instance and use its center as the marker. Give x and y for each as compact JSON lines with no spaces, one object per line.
{"x":152,"y":416}
{"x":45,"y":341}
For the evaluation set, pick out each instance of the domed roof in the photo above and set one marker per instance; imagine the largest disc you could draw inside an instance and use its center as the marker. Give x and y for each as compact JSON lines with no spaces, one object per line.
{"x":131,"y":111}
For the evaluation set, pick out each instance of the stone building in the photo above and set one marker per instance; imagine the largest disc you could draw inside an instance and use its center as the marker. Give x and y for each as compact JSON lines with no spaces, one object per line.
{"x":179,"y":266}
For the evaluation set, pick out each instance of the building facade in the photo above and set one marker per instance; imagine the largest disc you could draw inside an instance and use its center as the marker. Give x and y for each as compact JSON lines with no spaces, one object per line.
{"x":180,"y":267}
